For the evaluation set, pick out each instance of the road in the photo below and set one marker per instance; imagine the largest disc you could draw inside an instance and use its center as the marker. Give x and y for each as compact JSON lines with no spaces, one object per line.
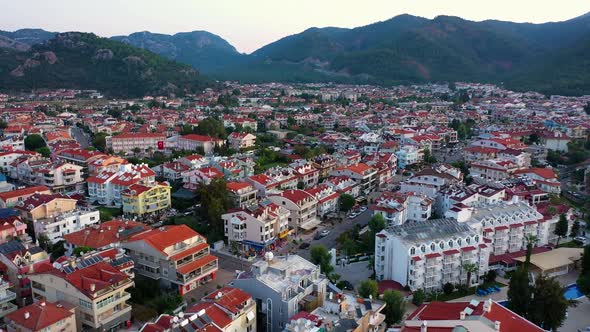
{"x":81,"y":137}
{"x":329,"y":241}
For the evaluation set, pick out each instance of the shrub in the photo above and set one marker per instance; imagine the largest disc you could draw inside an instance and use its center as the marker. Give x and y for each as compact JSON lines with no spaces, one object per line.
{"x":448,"y":288}
{"x":418,"y":297}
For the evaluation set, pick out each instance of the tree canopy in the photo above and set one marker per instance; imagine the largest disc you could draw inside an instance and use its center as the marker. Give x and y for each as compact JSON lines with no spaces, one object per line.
{"x":321,"y":256}
{"x":34,"y":142}
{"x":395,"y":306}
{"x":368,"y":288}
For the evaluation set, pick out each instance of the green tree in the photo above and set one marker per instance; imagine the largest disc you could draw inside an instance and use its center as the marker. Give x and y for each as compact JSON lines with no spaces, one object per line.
{"x":376,"y":225}
{"x":44,"y":151}
{"x":469,"y":268}
{"x":428,"y":157}
{"x":211,"y":127}
{"x":346,"y":202}
{"x":548,"y":306}
{"x":215,"y":201}
{"x":99,"y":141}
{"x":395,"y":306}
{"x":561,"y":228}
{"x":82,"y":249}
{"x":584,"y":278}
{"x":575,"y":229}
{"x":321,"y":256}
{"x":368,"y":288}
{"x":418,"y":297}
{"x":519,"y":292}
{"x":448,"y":288}
{"x":531,"y":241}
{"x":34,"y":142}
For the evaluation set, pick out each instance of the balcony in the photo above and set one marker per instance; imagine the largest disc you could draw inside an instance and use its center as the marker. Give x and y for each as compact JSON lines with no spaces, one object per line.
{"x":107,"y":317}
{"x":7,"y":296}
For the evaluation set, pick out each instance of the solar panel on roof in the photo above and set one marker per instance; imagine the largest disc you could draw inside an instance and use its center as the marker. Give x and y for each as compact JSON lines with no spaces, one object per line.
{"x":68,"y":269}
{"x":198,"y":323}
{"x":368,"y":305}
{"x":359,"y":313}
{"x":206,"y":318}
{"x":189,"y":328}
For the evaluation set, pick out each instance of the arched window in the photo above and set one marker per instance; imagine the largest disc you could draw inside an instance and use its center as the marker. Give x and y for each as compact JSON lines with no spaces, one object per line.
{"x":468,"y":240}
{"x":450,"y":243}
{"x":459,"y":241}
{"x":441,"y":245}
{"x":477,"y":238}
{"x":432,"y":247}
{"x":423,"y":248}
{"x":412,"y":251}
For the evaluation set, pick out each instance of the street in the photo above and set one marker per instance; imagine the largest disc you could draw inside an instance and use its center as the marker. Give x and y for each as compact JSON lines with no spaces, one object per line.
{"x":81,"y":137}
{"x":329,"y":241}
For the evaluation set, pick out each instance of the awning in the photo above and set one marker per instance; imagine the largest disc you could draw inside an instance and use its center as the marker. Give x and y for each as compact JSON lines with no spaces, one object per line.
{"x":554,"y":259}
{"x":284,"y":233}
{"x":310,"y":224}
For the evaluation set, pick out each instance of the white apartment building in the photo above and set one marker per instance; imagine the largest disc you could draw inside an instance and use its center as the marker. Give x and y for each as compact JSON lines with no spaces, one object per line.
{"x":493,"y":170}
{"x":106,"y":187}
{"x":327,"y":199}
{"x":428,"y":254}
{"x":364,"y":175}
{"x":430,"y":181}
{"x":505,"y":224}
{"x":397,"y":208}
{"x":302,"y":208}
{"x":306,"y":173}
{"x":129,"y":143}
{"x":472,"y":195}
{"x":60,"y":224}
{"x":256,"y":227}
{"x":6,"y":296}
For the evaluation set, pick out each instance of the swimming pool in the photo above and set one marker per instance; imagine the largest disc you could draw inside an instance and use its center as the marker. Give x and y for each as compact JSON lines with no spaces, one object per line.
{"x":572,"y":292}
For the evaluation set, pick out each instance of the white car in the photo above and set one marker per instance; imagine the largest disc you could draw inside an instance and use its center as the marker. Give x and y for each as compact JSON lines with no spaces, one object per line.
{"x":363,"y":209}
{"x":580,"y":239}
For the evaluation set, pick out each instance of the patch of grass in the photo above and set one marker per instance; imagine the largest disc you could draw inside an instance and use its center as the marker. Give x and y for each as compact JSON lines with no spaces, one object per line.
{"x":108,"y":213}
{"x":571,"y":244}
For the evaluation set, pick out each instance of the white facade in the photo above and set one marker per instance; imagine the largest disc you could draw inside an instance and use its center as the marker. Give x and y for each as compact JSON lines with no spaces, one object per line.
{"x":426,"y":255}
{"x":57,"y":226}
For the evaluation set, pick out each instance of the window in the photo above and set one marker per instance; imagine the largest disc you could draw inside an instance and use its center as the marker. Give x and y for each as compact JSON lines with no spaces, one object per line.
{"x":86,"y":304}
{"x":423,"y":248}
{"x":451,"y":243}
{"x":412,"y":251}
{"x":432,"y":247}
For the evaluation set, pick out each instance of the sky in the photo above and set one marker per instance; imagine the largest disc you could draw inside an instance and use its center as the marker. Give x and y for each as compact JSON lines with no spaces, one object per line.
{"x":251,"y":24}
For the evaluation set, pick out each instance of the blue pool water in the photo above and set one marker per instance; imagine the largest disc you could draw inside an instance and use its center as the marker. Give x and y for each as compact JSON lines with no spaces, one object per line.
{"x":572,"y":292}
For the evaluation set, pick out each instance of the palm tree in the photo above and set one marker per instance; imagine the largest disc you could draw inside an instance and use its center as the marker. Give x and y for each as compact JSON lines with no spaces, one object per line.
{"x":531,"y":241}
{"x":469,"y":268}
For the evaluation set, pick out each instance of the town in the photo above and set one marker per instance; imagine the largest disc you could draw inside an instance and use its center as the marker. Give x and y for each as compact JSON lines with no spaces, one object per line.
{"x":295,"y":207}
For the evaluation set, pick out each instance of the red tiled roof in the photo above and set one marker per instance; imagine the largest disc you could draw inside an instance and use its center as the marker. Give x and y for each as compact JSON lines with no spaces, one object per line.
{"x":190,"y":251}
{"x":199,"y":138}
{"x":23,"y":192}
{"x":231,"y":298}
{"x":42,"y":314}
{"x":433,"y":255}
{"x":188,"y":268}
{"x":164,"y":237}
{"x":104,"y":234}
{"x":470,"y":248}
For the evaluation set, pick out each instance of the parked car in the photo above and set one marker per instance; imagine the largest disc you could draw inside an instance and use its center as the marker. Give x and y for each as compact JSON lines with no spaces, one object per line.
{"x":304,"y":245}
{"x":363,"y":209}
{"x":324,"y":233}
{"x":346,"y":285}
{"x":580,"y":239}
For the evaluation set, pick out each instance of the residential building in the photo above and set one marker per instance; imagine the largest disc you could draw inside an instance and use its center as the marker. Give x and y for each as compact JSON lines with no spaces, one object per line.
{"x":484,"y":316}
{"x":41,"y":206}
{"x":58,"y":176}
{"x":176,"y":256}
{"x":397,"y":207}
{"x":18,"y":261}
{"x":256,"y":227}
{"x":11,"y":198}
{"x":108,"y":234}
{"x":55,"y":226}
{"x":544,"y":178}
{"x":43,"y":316}
{"x":302,"y":208}
{"x":324,"y":163}
{"x":141,"y":200}
{"x":326,"y":197}
{"x":408,"y":155}
{"x":98,"y":290}
{"x":106,"y":187}
{"x":428,"y":254}
{"x":364,"y":175}
{"x":192,"y":142}
{"x":11,"y":228}
{"x":281,"y":287}
{"x":6,"y":298}
{"x":555,"y":140}
{"x":493,"y":170}
{"x":130,"y":143}
{"x":227,"y":310}
{"x":242,"y":194}
{"x":430,"y":181}
{"x":240,"y":141}
{"x":307,"y":175}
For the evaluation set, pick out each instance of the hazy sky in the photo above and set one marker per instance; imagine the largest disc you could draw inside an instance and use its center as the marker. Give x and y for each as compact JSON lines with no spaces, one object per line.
{"x":250,"y":24}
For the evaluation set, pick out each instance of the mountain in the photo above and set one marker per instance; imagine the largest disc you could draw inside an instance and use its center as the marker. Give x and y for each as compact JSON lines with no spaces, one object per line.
{"x":409,"y":49}
{"x":28,"y":37}
{"x":85,"y":61}
{"x":203,"y":50}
